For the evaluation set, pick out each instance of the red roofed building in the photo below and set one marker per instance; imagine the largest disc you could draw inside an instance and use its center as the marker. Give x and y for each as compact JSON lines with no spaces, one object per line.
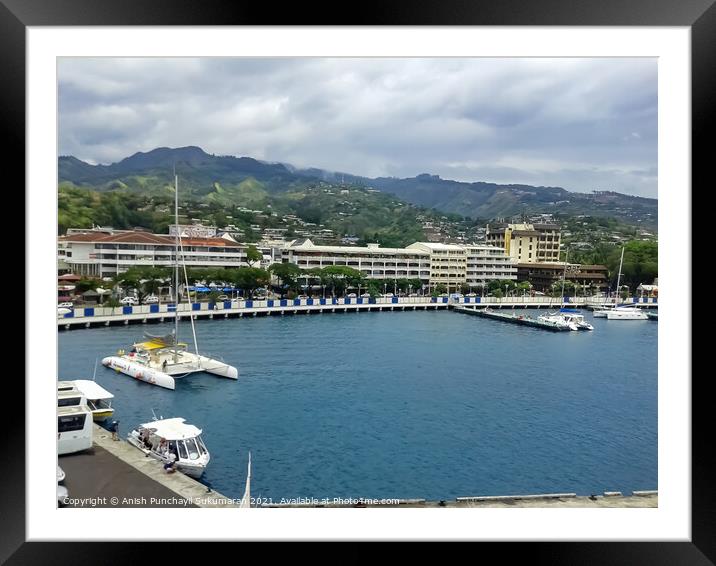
{"x":106,"y":252}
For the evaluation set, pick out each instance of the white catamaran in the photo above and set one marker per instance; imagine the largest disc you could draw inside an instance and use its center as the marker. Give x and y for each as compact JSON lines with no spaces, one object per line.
{"x":160,"y":360}
{"x":569,"y":318}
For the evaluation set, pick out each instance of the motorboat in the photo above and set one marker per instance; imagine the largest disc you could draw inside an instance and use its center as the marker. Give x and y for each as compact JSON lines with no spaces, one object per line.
{"x":574,"y":316}
{"x":626,"y":313}
{"x":172,"y":440}
{"x":160,"y":360}
{"x":99,"y":400}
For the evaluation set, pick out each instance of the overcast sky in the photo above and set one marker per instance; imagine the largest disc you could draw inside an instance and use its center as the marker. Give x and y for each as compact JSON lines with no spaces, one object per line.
{"x":582,"y":124}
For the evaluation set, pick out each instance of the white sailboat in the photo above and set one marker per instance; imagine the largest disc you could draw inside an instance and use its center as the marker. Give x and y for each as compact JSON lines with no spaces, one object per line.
{"x":624,"y":312}
{"x":160,"y":360}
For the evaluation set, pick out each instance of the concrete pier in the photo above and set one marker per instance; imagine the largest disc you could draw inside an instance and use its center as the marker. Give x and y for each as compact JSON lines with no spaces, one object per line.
{"x":609,"y":499}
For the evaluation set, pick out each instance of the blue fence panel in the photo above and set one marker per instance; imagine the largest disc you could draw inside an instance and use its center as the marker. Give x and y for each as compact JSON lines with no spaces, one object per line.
{"x":359,"y":301}
{"x":153,"y":308}
{"x":171,"y":307}
{"x":478,"y":299}
{"x":309,"y":301}
{"x":645,"y":300}
{"x":249,"y":304}
{"x":635,"y":299}
{"x":394,"y":300}
{"x":371,"y":301}
{"x":297,"y":301}
{"x":227,"y":304}
{"x":433,"y":299}
{"x":89,"y":311}
{"x":322,"y":301}
{"x":283,"y":302}
{"x":196,"y":306}
{"x":347,"y":301}
{"x":445,"y":299}
{"x":269,"y":303}
{"x":566,"y":299}
{"x":126,"y":310}
{"x":70,"y":314}
{"x":654,"y":300}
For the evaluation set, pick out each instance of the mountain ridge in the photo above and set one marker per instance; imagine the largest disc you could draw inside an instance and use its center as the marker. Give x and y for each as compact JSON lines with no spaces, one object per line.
{"x":201,"y":171}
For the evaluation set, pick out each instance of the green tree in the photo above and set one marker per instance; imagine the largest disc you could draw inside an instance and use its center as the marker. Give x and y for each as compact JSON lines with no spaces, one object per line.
{"x":252,"y":255}
{"x":288,"y":274}
{"x":251,"y":278}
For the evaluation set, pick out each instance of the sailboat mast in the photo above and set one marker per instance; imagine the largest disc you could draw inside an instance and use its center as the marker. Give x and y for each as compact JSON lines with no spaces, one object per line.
{"x":619,"y":276}
{"x":176,"y":266}
{"x":564,"y":276}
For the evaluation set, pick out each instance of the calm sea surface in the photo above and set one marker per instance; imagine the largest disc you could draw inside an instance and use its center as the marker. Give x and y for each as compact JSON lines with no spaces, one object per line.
{"x":429,"y":405}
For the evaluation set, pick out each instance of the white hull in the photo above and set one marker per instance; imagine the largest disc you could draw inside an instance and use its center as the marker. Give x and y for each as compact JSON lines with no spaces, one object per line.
{"x":150,"y":372}
{"x":624,"y":314}
{"x":139,"y":371}
{"x":192,"y":470}
{"x":600,"y":313}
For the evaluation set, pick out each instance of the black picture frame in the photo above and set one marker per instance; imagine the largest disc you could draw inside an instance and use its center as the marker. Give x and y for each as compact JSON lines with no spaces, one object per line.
{"x":699,"y":15}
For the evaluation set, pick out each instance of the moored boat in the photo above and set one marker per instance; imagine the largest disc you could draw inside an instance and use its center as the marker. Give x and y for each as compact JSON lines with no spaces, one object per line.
{"x":173,"y":441}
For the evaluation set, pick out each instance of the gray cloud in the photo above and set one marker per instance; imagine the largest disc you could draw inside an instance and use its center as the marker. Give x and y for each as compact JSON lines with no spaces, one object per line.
{"x":582,"y":124}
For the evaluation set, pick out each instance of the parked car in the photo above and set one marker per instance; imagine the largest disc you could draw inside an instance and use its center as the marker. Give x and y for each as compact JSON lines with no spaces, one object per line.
{"x":129,"y":301}
{"x":351,"y":295}
{"x":302,"y":297}
{"x":471,"y":295}
{"x":66,"y":305}
{"x":387,"y":295}
{"x":413,"y":295}
{"x":151,"y":300}
{"x":365,"y":295}
{"x":222,"y":298}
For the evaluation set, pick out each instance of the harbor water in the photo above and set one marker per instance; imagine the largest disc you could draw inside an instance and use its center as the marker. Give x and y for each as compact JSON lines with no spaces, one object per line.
{"x":432,"y":405}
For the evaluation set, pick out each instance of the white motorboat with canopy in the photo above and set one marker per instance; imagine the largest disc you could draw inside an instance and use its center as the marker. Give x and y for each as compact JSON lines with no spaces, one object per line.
{"x":160,"y":360}
{"x":173,"y":440}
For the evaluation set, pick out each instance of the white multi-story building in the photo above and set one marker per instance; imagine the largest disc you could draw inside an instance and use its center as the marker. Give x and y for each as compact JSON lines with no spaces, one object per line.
{"x":488,"y":263}
{"x":372,"y":261}
{"x":105,"y":253}
{"x":448,"y":263}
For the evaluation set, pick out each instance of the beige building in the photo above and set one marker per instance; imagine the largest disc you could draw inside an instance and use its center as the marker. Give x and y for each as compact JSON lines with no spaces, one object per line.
{"x":448,"y":263}
{"x":526,"y":243}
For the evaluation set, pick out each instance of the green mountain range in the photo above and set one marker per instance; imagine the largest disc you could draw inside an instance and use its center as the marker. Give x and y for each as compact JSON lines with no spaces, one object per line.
{"x":230,"y":180}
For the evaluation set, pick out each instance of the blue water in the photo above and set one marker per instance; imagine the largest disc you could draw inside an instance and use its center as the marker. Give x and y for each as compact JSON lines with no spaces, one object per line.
{"x":408,"y":404}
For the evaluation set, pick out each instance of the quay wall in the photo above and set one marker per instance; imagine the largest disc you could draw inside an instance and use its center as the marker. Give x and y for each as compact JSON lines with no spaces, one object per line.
{"x":85,"y":317}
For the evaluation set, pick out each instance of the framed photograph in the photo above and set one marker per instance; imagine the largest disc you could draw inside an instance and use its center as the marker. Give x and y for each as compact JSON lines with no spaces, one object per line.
{"x":201,"y":185}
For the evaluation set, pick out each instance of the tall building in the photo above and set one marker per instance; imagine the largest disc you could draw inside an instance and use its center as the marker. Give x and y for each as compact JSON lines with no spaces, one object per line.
{"x":526,"y":243}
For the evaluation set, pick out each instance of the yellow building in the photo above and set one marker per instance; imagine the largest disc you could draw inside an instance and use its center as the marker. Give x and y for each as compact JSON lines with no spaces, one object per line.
{"x":526,"y":243}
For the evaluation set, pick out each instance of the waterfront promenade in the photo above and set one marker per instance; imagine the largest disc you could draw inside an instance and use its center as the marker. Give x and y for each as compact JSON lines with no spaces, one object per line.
{"x":105,"y":316}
